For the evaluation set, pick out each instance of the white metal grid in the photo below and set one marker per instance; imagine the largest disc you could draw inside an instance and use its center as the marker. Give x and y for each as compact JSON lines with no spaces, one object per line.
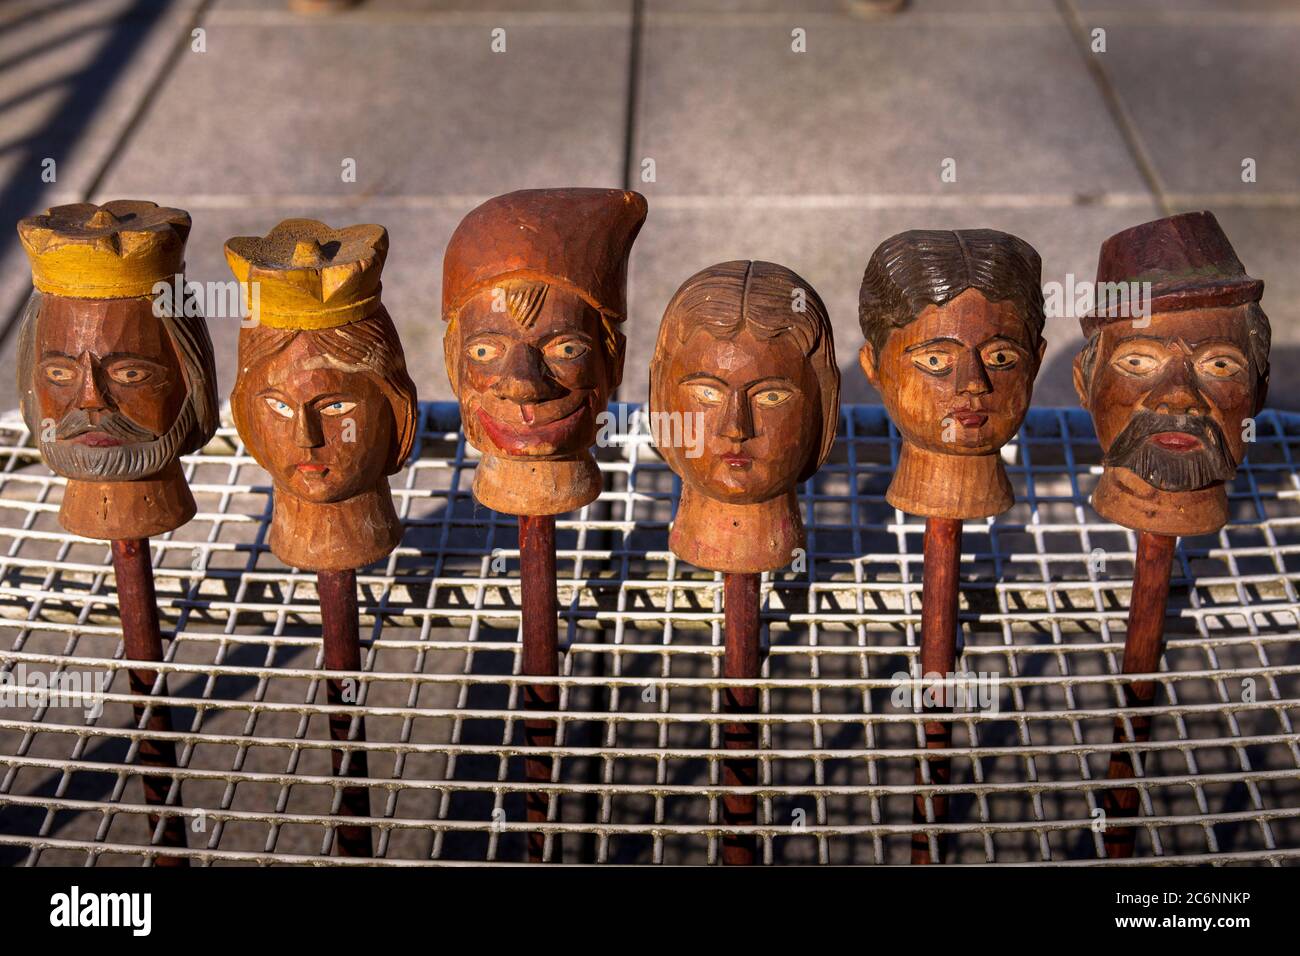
{"x":637,"y":774}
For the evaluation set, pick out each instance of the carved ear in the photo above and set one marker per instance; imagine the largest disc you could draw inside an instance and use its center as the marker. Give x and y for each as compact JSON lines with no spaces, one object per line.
{"x":867,"y":359}
{"x":1080,"y":386}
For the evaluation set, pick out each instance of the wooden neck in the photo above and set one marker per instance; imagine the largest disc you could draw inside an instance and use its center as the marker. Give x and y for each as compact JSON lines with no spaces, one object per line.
{"x":520,"y":486}
{"x":335,"y":535}
{"x":114,"y":510}
{"x":1124,"y":498}
{"x":721,"y":536}
{"x":932,"y":485}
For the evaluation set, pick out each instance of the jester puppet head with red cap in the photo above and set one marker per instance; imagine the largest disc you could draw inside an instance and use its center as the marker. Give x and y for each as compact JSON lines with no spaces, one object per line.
{"x":1174,"y":368}
{"x":534,"y":289}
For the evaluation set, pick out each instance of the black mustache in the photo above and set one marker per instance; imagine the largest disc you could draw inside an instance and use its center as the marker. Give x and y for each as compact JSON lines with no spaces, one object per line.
{"x":1144,"y":424}
{"x":1169,"y":470}
{"x":77,"y":422}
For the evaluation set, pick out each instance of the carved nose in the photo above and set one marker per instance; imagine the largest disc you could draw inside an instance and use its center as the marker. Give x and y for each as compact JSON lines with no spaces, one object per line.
{"x":524,"y":379}
{"x":307,"y":431}
{"x":91,"y":397}
{"x":971,"y":377}
{"x":1177,"y":394}
{"x":737,"y":422}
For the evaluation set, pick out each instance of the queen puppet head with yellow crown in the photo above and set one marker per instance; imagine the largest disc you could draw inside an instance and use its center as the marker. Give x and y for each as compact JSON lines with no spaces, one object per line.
{"x":322,"y":398}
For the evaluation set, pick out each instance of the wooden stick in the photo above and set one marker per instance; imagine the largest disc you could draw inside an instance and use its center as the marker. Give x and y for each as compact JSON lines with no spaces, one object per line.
{"x":942,"y":548}
{"x":741,"y":659}
{"x":540,"y":659}
{"x":138,"y":609}
{"x":342,"y":651}
{"x":1143,"y":645}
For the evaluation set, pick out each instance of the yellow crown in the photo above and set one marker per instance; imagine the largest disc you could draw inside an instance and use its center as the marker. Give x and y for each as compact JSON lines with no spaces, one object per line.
{"x":119,"y":250}
{"x":309,"y":276}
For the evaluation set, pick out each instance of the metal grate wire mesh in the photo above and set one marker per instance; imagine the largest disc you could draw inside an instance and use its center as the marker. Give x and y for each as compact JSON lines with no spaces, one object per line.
{"x":637,"y":769}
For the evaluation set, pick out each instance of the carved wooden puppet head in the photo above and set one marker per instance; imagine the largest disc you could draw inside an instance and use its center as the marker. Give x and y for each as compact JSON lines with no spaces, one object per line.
{"x":954,"y":329}
{"x":1171,"y":384}
{"x":322,"y":398}
{"x":534,"y":288}
{"x":745,"y":395}
{"x":115,"y":382}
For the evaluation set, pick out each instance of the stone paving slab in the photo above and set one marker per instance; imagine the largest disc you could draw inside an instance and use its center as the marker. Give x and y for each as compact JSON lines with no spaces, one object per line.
{"x":1229,"y":8}
{"x":276,"y":110}
{"x":797,"y":8}
{"x":1204,"y":97}
{"x":876,"y":107}
{"x":380,"y":8}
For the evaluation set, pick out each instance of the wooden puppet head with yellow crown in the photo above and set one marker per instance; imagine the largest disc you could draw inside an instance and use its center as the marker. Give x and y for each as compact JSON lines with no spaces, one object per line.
{"x":322,"y":398}
{"x":113,"y":386}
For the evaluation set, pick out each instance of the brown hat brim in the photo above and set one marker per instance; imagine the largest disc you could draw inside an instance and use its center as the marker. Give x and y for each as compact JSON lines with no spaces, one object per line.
{"x":1207,"y":295}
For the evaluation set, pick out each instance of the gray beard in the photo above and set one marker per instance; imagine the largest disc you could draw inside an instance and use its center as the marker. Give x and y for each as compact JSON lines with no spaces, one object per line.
{"x":129,"y":462}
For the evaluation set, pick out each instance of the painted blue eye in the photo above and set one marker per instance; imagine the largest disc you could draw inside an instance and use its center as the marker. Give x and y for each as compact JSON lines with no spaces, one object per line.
{"x":280,"y":408}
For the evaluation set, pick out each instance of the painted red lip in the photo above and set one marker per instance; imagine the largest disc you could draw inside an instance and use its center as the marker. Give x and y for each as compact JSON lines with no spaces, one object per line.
{"x":737,"y":461}
{"x":970,"y":419}
{"x":1176,"y":441}
{"x":313,"y":468}
{"x":519,"y":441}
{"x":97,"y":440}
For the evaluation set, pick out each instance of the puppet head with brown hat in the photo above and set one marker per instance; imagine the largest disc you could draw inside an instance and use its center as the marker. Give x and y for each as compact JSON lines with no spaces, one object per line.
{"x":534,"y":288}
{"x":1172,"y":373}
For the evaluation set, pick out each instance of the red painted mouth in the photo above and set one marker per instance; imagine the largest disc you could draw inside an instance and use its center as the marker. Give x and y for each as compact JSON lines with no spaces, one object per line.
{"x":519,"y":441}
{"x":1176,"y":441}
{"x":737,"y":461}
{"x":313,"y":468}
{"x":97,"y":440}
{"x":970,"y":419}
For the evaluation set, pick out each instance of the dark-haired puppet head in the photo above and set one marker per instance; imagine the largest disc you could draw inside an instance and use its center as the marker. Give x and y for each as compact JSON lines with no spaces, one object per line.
{"x":954,"y":329}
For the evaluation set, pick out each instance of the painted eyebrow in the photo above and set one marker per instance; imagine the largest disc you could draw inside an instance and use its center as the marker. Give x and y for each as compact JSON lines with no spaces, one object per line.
{"x":1004,"y":338}
{"x":702,"y":377}
{"x":1168,"y":342}
{"x":130,"y":356}
{"x":1218,"y":341}
{"x":944,"y":339}
{"x":568,"y":334}
{"x":1154,"y":339}
{"x":772,"y":380}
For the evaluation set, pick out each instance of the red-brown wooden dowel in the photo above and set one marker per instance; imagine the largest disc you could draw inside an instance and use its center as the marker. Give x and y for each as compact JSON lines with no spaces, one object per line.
{"x":540,"y":659}
{"x":138,"y":609}
{"x":1143,"y":645}
{"x":939,"y":595}
{"x":741,"y":659}
{"x":341,"y":637}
